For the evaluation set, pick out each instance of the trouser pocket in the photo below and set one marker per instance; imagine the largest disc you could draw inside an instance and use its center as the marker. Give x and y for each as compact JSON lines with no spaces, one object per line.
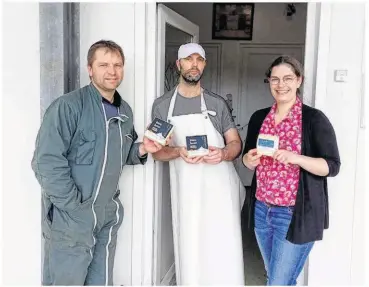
{"x":74,"y":227}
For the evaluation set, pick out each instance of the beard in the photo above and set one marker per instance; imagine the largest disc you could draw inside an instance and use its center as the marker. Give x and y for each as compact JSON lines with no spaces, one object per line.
{"x":191,"y":79}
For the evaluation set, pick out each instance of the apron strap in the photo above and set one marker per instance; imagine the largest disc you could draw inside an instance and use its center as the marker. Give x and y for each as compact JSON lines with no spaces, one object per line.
{"x":171,"y":106}
{"x":204,"y":109}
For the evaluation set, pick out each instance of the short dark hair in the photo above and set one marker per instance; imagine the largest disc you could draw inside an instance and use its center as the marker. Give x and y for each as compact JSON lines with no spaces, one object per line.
{"x":108,"y":45}
{"x":295,"y":65}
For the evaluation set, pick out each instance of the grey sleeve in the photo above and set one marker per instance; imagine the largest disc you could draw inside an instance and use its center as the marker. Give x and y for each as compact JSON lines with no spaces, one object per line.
{"x":49,"y":161}
{"x":159,"y":111}
{"x":134,"y":155}
{"x":226,"y":118}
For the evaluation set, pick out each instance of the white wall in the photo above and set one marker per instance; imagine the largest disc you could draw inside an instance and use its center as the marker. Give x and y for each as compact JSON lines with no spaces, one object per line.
{"x":21,"y":208}
{"x":359,"y":235}
{"x":332,"y":259}
{"x":123,"y":23}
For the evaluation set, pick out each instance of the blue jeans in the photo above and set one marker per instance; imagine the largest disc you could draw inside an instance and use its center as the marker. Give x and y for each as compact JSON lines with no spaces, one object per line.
{"x":283,"y":260}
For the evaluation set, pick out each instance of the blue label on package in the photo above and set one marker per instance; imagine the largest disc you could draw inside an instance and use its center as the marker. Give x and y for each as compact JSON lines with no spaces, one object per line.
{"x":266,"y":143}
{"x":159,"y":126}
{"x":197,"y":142}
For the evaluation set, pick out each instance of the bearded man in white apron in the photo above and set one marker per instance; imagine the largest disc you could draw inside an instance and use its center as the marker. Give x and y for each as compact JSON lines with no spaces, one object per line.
{"x":206,"y":192}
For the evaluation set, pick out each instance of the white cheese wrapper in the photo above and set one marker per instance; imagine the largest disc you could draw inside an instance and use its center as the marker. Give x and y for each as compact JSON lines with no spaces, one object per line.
{"x":267,"y":144}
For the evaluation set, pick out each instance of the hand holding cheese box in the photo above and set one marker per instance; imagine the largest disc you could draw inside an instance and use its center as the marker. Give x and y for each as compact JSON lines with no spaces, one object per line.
{"x":159,"y":131}
{"x":197,"y":146}
{"x":267,"y":144}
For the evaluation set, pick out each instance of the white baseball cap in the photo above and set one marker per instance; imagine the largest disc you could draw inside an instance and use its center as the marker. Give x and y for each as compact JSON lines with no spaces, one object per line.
{"x":190,"y":48}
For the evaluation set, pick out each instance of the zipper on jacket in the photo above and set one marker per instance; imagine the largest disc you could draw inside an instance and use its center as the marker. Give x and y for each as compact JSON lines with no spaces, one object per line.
{"x":102,"y":174}
{"x":117,"y":212}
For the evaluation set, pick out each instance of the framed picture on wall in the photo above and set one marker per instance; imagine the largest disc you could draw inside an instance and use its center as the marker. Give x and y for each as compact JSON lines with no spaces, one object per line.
{"x":233,"y":21}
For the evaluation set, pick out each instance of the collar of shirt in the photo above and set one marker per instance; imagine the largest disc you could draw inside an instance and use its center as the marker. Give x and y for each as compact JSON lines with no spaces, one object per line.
{"x":297,"y":106}
{"x":116,"y":100}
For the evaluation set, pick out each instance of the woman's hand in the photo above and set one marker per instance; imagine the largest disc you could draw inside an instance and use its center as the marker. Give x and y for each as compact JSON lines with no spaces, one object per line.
{"x":317,"y":166}
{"x":251,"y":159}
{"x":286,"y":157}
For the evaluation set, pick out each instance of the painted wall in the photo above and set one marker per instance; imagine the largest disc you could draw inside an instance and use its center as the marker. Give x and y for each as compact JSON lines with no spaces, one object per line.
{"x":339,"y":258}
{"x":21,"y":193}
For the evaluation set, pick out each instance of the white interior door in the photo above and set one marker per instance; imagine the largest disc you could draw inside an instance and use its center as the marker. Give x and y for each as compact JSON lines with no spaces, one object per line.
{"x":173,"y":30}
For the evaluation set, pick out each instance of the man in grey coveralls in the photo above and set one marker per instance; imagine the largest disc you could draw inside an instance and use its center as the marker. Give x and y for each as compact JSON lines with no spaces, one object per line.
{"x":85,"y":139}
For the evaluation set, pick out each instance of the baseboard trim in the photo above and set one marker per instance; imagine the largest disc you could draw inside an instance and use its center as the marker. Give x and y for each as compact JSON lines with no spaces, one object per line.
{"x":168,"y":276}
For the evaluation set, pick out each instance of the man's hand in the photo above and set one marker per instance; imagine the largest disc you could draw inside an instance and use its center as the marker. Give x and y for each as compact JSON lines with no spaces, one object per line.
{"x":215,"y":156}
{"x":149,"y":146}
{"x":286,"y":157}
{"x":252,"y":159}
{"x":184,"y":155}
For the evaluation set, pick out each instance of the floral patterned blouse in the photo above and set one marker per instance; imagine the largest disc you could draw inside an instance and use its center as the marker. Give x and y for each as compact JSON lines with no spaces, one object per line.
{"x":278,"y":183}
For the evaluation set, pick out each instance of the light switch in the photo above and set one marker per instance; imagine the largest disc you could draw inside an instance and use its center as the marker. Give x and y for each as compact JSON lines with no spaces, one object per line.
{"x":340,"y":75}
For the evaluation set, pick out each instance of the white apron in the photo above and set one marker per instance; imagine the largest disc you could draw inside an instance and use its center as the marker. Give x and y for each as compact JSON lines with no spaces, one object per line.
{"x":206,"y":209}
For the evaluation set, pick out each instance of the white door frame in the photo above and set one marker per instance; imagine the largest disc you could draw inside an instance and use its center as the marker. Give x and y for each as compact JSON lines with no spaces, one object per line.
{"x":315,"y":67}
{"x":164,"y":16}
{"x":143,"y":224}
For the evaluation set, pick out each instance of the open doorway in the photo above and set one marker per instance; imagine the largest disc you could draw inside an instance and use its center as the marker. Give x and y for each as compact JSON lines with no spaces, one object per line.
{"x":235,"y":70}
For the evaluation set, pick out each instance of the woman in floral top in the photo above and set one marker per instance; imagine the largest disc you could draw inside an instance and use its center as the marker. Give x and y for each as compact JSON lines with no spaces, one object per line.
{"x":289,"y":198}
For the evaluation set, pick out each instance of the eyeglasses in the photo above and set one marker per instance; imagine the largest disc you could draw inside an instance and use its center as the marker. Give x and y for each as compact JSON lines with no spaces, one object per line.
{"x":286,"y":80}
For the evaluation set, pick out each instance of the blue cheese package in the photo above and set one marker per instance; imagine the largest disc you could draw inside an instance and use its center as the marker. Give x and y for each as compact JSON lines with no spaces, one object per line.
{"x":159,"y":131}
{"x":197,"y":145}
